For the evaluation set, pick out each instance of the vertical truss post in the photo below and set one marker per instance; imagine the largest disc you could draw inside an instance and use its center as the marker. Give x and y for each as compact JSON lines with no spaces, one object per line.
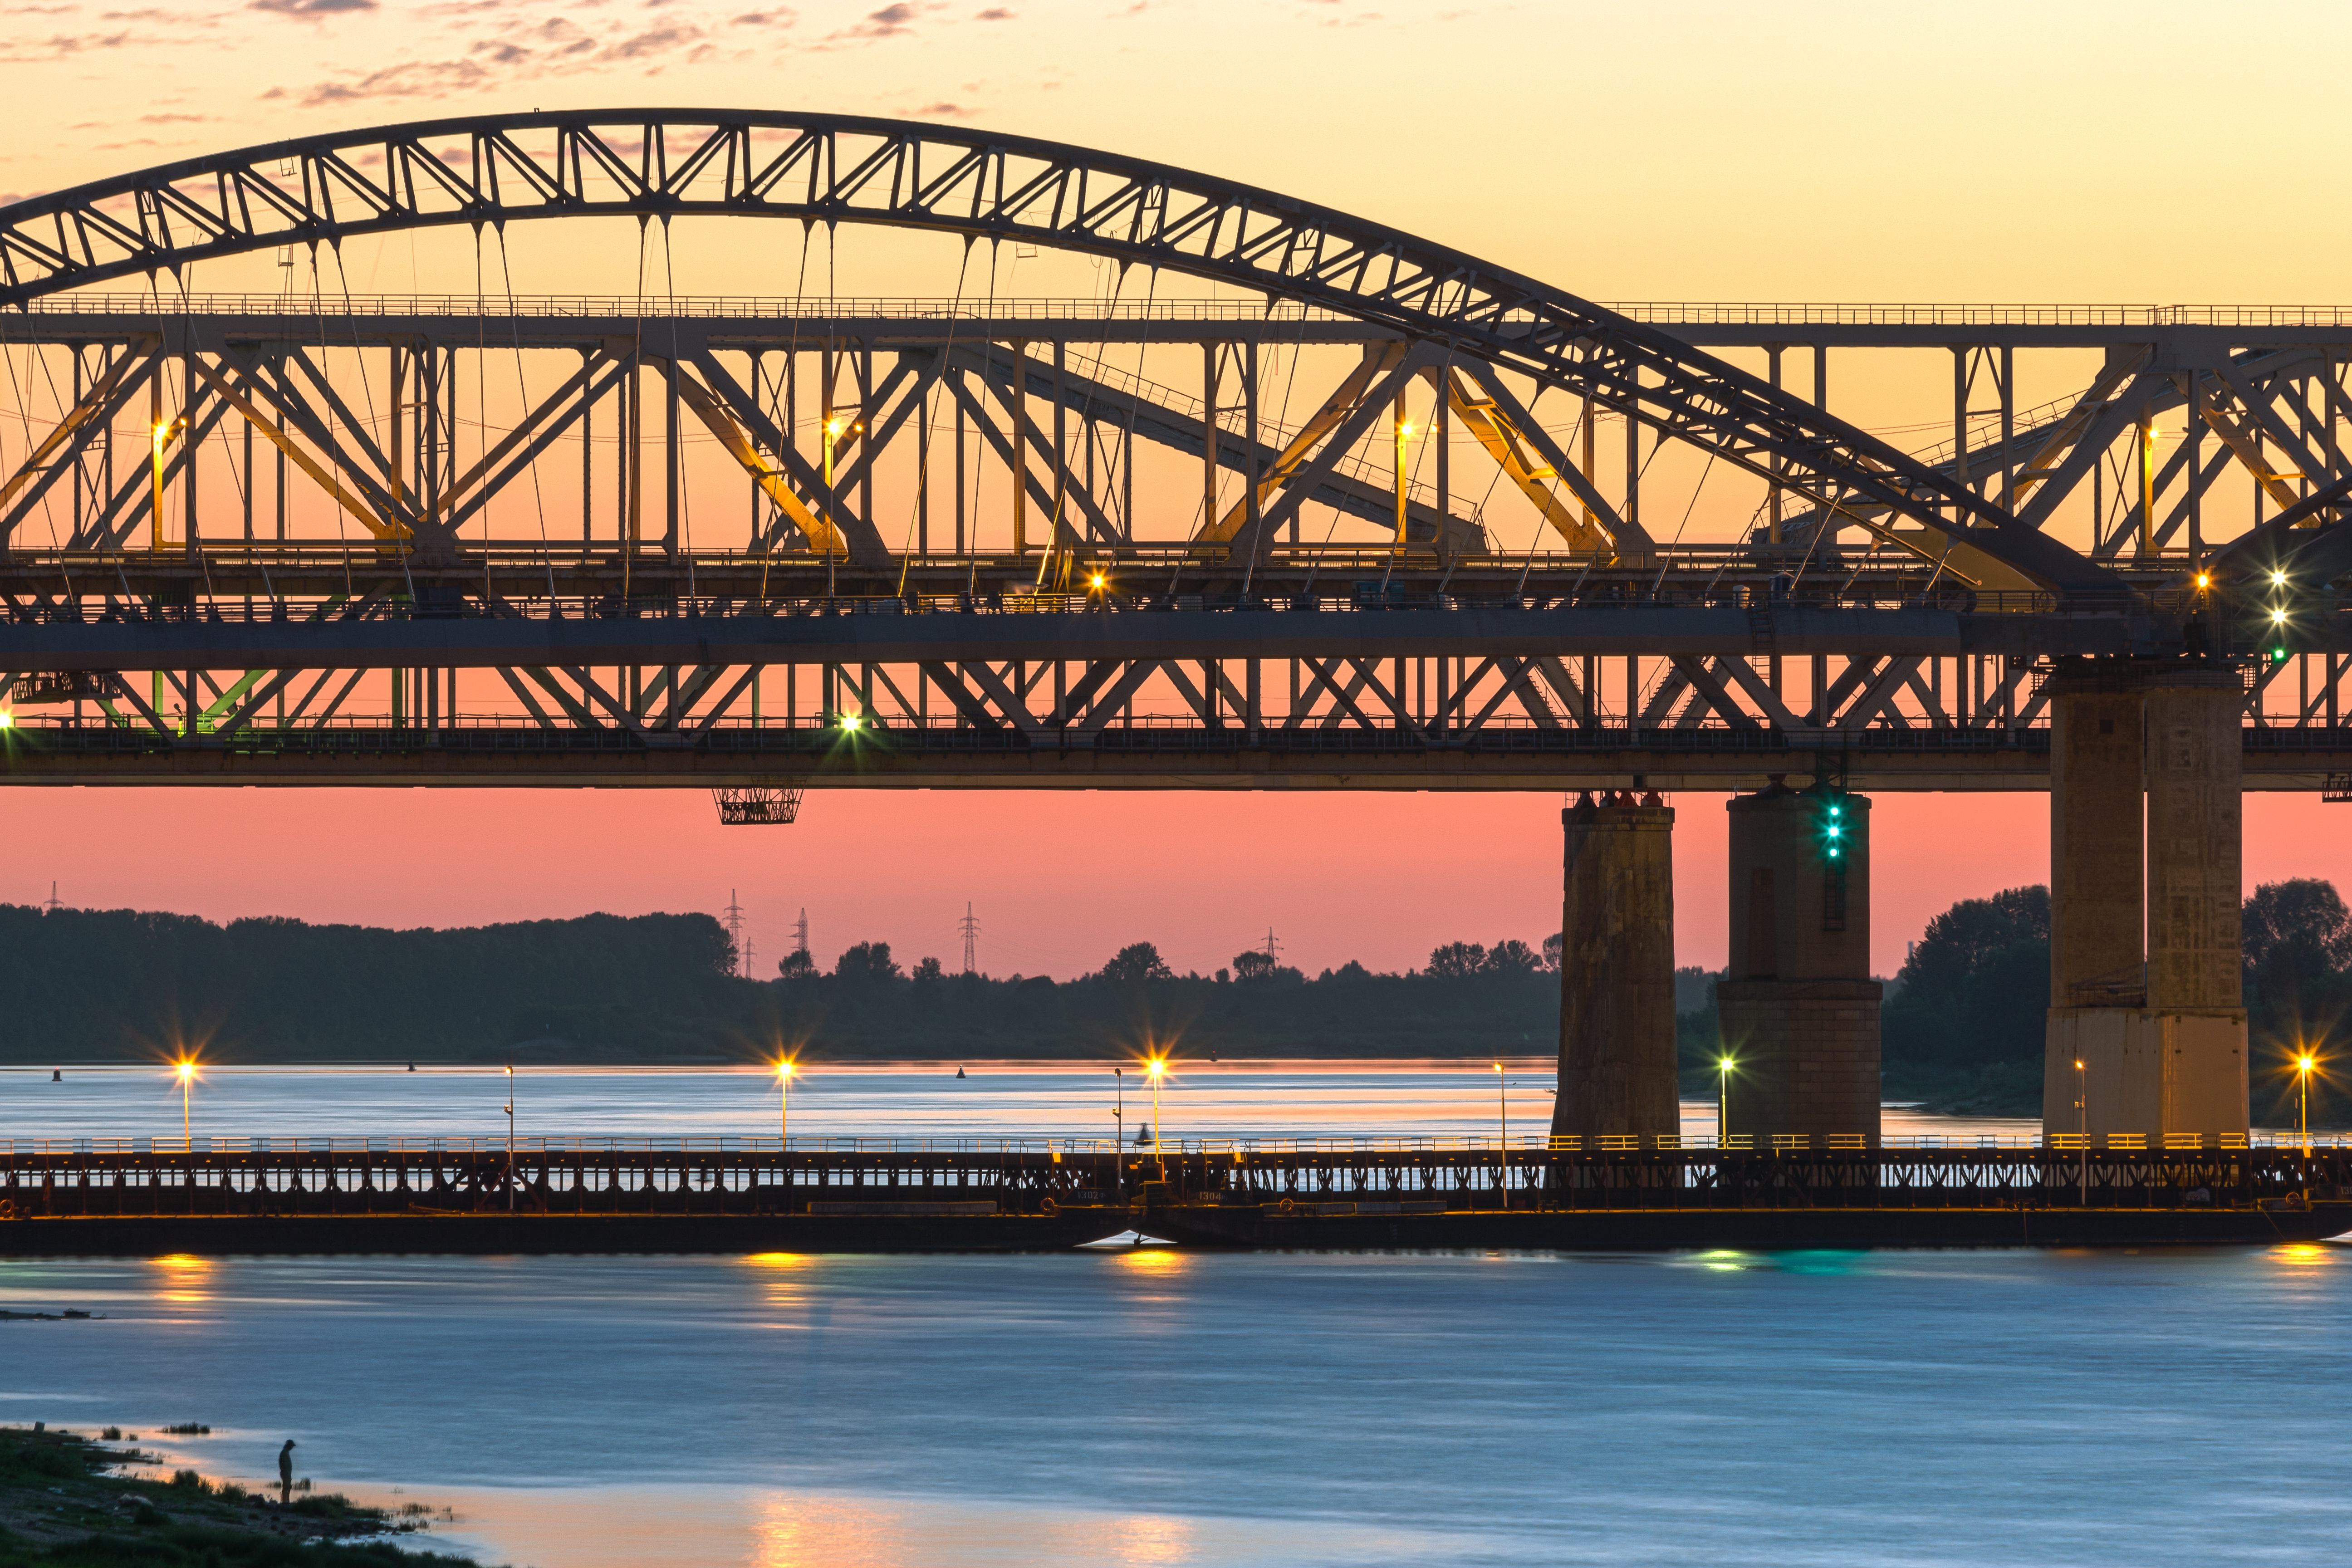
{"x":865,"y":412}
{"x":1960,"y":413}
{"x":669,"y":465}
{"x":189,"y":523}
{"x":958,"y":404}
{"x":1250,"y":440}
{"x":1209,"y":437}
{"x":1772,"y":492}
{"x":633,"y":460}
{"x":1019,"y":412}
{"x":1402,"y":432}
{"x":587,"y":451}
{"x":2008,"y":413}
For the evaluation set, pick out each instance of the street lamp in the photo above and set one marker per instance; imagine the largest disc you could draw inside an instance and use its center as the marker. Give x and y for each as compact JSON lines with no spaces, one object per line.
{"x":1119,"y":1131}
{"x":1723,"y":1101}
{"x":1157,"y":1067}
{"x":2083,"y":1135}
{"x":510,"y":1138}
{"x":185,"y":1071}
{"x":2303,"y":1066}
{"x":1503,"y":1163}
{"x":785,"y":1071}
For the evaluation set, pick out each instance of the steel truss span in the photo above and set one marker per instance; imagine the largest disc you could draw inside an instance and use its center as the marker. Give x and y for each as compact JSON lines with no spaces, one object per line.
{"x":760,"y":543}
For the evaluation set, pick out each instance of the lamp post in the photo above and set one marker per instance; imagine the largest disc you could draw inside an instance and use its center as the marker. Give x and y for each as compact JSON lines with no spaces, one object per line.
{"x":1158,"y":1066}
{"x":1119,"y":1133}
{"x":1722,"y":1102}
{"x":510,"y":1138}
{"x":2303,"y":1066}
{"x":2083,"y":1135}
{"x":1503,"y":1159}
{"x":1403,"y":435}
{"x":785,"y":1071}
{"x":185,"y":1070}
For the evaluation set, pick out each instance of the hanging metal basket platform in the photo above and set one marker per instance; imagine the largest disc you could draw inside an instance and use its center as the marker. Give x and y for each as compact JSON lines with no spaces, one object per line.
{"x":757,"y":804}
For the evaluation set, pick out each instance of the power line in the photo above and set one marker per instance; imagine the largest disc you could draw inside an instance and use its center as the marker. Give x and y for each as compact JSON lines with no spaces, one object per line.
{"x":970,"y":929}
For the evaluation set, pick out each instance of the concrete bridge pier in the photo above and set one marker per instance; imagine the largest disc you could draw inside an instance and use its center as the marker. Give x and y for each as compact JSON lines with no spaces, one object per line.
{"x":1798,"y":1009}
{"x":1617,"y":970}
{"x":2145,"y":990}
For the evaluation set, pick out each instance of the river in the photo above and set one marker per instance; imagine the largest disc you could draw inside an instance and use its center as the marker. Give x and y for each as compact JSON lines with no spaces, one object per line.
{"x":1145,"y":1406}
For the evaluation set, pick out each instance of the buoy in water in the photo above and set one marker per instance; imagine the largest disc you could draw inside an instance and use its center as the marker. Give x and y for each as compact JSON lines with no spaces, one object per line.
{"x":412,"y":1067}
{"x":56,"y":1076}
{"x":959,"y":1072}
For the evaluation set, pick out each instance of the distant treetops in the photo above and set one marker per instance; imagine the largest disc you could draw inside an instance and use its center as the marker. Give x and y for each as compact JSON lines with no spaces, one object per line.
{"x":869,"y":964}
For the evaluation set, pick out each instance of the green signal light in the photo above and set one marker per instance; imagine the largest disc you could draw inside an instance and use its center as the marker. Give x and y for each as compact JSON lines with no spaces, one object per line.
{"x":2279,"y":654}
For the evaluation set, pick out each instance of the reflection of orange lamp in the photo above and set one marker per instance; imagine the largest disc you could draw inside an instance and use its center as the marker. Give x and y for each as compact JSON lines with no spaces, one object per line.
{"x":185,"y":1071}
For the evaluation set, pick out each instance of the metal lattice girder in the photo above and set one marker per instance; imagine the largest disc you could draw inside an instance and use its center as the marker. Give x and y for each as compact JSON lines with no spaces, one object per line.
{"x":836,"y":169}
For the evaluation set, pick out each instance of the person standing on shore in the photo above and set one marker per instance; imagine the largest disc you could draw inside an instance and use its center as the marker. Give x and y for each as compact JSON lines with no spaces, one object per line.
{"x":286,"y":1472}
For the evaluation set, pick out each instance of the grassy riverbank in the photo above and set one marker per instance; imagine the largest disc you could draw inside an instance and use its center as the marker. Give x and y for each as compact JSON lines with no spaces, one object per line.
{"x":62,"y":1505}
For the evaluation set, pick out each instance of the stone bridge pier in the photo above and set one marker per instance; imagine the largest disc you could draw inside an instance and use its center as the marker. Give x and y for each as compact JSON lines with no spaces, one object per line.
{"x":1798,"y":1009}
{"x":2147,"y":1025}
{"x":1617,"y":970}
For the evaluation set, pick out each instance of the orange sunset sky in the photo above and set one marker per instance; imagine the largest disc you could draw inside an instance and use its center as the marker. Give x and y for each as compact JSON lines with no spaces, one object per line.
{"x":1999,"y":152}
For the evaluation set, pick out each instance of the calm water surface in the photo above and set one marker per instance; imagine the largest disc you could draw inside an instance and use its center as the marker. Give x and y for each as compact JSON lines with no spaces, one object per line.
{"x":997,"y":1100}
{"x":1146,"y":1406}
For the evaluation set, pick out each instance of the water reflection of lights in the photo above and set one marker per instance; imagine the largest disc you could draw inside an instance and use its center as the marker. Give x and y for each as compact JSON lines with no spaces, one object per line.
{"x":778,"y":1260}
{"x":187,"y":1280}
{"x":2304,"y":1254}
{"x":1152,"y":1260}
{"x":1724,"y":1262}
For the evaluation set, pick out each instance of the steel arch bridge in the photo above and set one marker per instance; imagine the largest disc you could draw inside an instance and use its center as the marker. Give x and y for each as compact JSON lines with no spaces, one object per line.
{"x":1892,"y":610}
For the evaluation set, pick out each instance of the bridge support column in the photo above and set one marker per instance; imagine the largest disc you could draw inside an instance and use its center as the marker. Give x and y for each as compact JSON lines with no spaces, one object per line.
{"x":2098,"y":987}
{"x":1617,"y":970}
{"x":2195,"y":854}
{"x":2145,"y":992}
{"x":1797,"y":1010}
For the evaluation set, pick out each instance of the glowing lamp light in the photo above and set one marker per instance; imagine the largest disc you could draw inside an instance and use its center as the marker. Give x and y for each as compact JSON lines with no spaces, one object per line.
{"x":185,"y":1070}
{"x":784,"y":1070}
{"x":2278,"y":579}
{"x":2204,"y":579}
{"x":1097,"y":580}
{"x":851,"y":722}
{"x":2278,"y":614}
{"x":2304,"y":1064}
{"x":8,"y":719}
{"x":1155,"y":1067}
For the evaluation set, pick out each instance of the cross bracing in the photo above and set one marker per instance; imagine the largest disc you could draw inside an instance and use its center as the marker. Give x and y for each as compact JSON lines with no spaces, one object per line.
{"x":1396,"y":517}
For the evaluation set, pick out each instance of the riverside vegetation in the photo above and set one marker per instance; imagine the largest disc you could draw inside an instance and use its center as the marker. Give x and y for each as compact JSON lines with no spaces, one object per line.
{"x":62,"y":1505}
{"x":1962,"y":1025}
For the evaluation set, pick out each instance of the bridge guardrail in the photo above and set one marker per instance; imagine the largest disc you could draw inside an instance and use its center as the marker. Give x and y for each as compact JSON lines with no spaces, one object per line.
{"x":1532,"y":1143}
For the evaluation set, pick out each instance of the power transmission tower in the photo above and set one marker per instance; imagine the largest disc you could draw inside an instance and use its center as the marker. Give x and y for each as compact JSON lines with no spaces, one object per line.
{"x":52,"y":906}
{"x":1272,"y":947}
{"x":970,"y":928}
{"x":800,"y":933}
{"x":734,"y":923}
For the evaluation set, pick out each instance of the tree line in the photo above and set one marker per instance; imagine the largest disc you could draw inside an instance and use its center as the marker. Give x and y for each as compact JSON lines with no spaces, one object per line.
{"x":1964,"y":1021}
{"x":127,"y":985}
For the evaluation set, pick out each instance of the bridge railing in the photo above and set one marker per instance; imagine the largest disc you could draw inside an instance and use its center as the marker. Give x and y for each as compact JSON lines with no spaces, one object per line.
{"x":700,"y":1144}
